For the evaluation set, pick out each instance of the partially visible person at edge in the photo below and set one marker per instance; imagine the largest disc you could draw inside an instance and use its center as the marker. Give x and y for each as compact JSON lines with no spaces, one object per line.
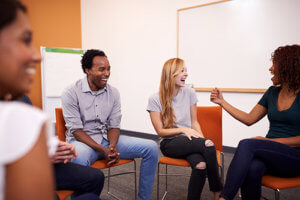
{"x":173,"y":112}
{"x":25,"y":168}
{"x":278,"y":153}
{"x":87,"y":179}
{"x":92,"y":111}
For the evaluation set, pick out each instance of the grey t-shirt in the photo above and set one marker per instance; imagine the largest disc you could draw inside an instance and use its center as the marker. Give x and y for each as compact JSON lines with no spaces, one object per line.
{"x":181,"y":104}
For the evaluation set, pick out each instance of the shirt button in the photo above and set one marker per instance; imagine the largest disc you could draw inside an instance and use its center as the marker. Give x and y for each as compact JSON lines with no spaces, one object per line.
{"x":97,"y":115}
{"x":96,"y":105}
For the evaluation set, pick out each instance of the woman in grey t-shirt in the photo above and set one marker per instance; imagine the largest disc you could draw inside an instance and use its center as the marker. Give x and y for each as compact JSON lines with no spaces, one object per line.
{"x":173,"y":112}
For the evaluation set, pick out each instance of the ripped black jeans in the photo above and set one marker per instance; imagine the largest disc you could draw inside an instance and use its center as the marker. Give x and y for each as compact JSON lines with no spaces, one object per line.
{"x":195,"y":151}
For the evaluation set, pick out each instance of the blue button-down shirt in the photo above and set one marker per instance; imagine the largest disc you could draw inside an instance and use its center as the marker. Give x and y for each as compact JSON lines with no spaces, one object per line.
{"x":95,"y":112}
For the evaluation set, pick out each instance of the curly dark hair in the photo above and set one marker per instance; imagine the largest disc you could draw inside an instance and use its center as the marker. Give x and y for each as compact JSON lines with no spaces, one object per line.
{"x":286,"y":61}
{"x":88,"y":56}
{"x":8,"y":11}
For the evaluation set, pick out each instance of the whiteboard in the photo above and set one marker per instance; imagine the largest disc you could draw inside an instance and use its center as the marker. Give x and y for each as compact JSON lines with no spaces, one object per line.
{"x":229,"y":44}
{"x":60,"y":67}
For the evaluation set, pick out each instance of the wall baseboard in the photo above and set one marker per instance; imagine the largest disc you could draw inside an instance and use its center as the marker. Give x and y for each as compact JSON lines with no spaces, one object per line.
{"x":226,"y":149}
{"x":139,"y":134}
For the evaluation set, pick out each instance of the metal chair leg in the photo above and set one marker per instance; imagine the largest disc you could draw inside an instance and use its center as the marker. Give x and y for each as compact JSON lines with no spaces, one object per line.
{"x":277,"y":194}
{"x":166,"y":190}
{"x":108,"y":181}
{"x":166,"y":178}
{"x":157,"y":185}
{"x":222,"y":168}
{"x":135,"y":188}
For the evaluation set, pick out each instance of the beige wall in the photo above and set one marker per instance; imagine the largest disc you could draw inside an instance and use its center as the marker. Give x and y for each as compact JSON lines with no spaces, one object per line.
{"x":138,"y":37}
{"x":56,"y":23}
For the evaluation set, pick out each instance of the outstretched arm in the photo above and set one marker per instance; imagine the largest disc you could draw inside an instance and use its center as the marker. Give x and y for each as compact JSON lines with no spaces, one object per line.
{"x":257,"y":113}
{"x":31,"y":176}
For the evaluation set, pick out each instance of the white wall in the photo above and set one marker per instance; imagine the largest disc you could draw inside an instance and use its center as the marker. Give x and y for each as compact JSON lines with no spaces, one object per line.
{"x":138,"y":37}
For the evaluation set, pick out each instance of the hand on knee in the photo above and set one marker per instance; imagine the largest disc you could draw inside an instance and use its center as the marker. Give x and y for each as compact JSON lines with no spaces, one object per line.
{"x":209,"y":143}
{"x":201,"y":165}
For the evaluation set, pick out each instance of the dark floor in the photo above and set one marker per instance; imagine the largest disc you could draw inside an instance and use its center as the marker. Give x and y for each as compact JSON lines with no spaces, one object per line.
{"x":123,"y":185}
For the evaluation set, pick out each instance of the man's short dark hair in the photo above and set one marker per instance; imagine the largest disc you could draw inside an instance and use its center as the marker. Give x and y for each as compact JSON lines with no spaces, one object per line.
{"x":88,"y":56}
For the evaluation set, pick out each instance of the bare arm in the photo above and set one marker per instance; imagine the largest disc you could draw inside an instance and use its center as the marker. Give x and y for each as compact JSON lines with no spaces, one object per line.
{"x":64,"y":153}
{"x":81,"y":136}
{"x":194,"y":120}
{"x":255,"y":114}
{"x":291,"y":141}
{"x":31,"y":176}
{"x":113,"y":136}
{"x":165,"y":132}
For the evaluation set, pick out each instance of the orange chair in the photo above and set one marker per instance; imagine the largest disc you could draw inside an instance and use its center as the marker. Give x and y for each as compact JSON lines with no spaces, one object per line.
{"x":278,"y":183}
{"x":63,"y":194}
{"x":99,"y":164}
{"x":210,"y":120}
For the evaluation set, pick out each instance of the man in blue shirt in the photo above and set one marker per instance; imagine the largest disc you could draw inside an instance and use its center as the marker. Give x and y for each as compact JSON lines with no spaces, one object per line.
{"x":92,"y":111}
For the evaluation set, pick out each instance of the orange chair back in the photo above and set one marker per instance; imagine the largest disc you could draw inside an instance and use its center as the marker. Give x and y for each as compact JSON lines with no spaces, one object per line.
{"x":210,"y":120}
{"x":60,"y":124}
{"x":63,"y":194}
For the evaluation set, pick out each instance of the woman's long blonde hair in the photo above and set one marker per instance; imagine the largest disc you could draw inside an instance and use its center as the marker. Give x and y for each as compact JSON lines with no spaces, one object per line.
{"x":171,"y":68}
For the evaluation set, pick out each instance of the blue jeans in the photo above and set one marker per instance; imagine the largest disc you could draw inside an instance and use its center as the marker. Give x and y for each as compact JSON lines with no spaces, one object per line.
{"x":80,"y":178}
{"x":254,"y":158}
{"x":128,"y":147}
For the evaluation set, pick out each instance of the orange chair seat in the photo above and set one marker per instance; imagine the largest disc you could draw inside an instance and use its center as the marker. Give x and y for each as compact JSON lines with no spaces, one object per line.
{"x":280,"y":183}
{"x":63,"y":194}
{"x":174,"y":161}
{"x":101,"y":164}
{"x":182,"y":162}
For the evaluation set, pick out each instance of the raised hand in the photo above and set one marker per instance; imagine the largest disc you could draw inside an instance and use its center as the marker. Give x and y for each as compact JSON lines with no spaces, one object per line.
{"x":216,"y":96}
{"x":64,"y":153}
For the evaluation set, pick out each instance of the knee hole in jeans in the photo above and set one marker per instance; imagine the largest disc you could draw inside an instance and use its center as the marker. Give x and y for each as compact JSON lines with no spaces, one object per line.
{"x":209,"y":143}
{"x":201,"y":165}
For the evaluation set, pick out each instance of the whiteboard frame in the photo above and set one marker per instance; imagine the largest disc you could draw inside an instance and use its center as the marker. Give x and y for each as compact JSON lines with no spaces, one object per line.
{"x":52,"y":101}
{"x":234,"y":90}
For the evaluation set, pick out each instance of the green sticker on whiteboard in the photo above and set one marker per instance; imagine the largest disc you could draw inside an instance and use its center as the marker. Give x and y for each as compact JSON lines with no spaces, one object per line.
{"x":62,"y":50}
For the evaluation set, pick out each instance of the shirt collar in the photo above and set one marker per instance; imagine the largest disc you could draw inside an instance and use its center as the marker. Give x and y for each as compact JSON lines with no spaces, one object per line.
{"x":86,"y":88}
